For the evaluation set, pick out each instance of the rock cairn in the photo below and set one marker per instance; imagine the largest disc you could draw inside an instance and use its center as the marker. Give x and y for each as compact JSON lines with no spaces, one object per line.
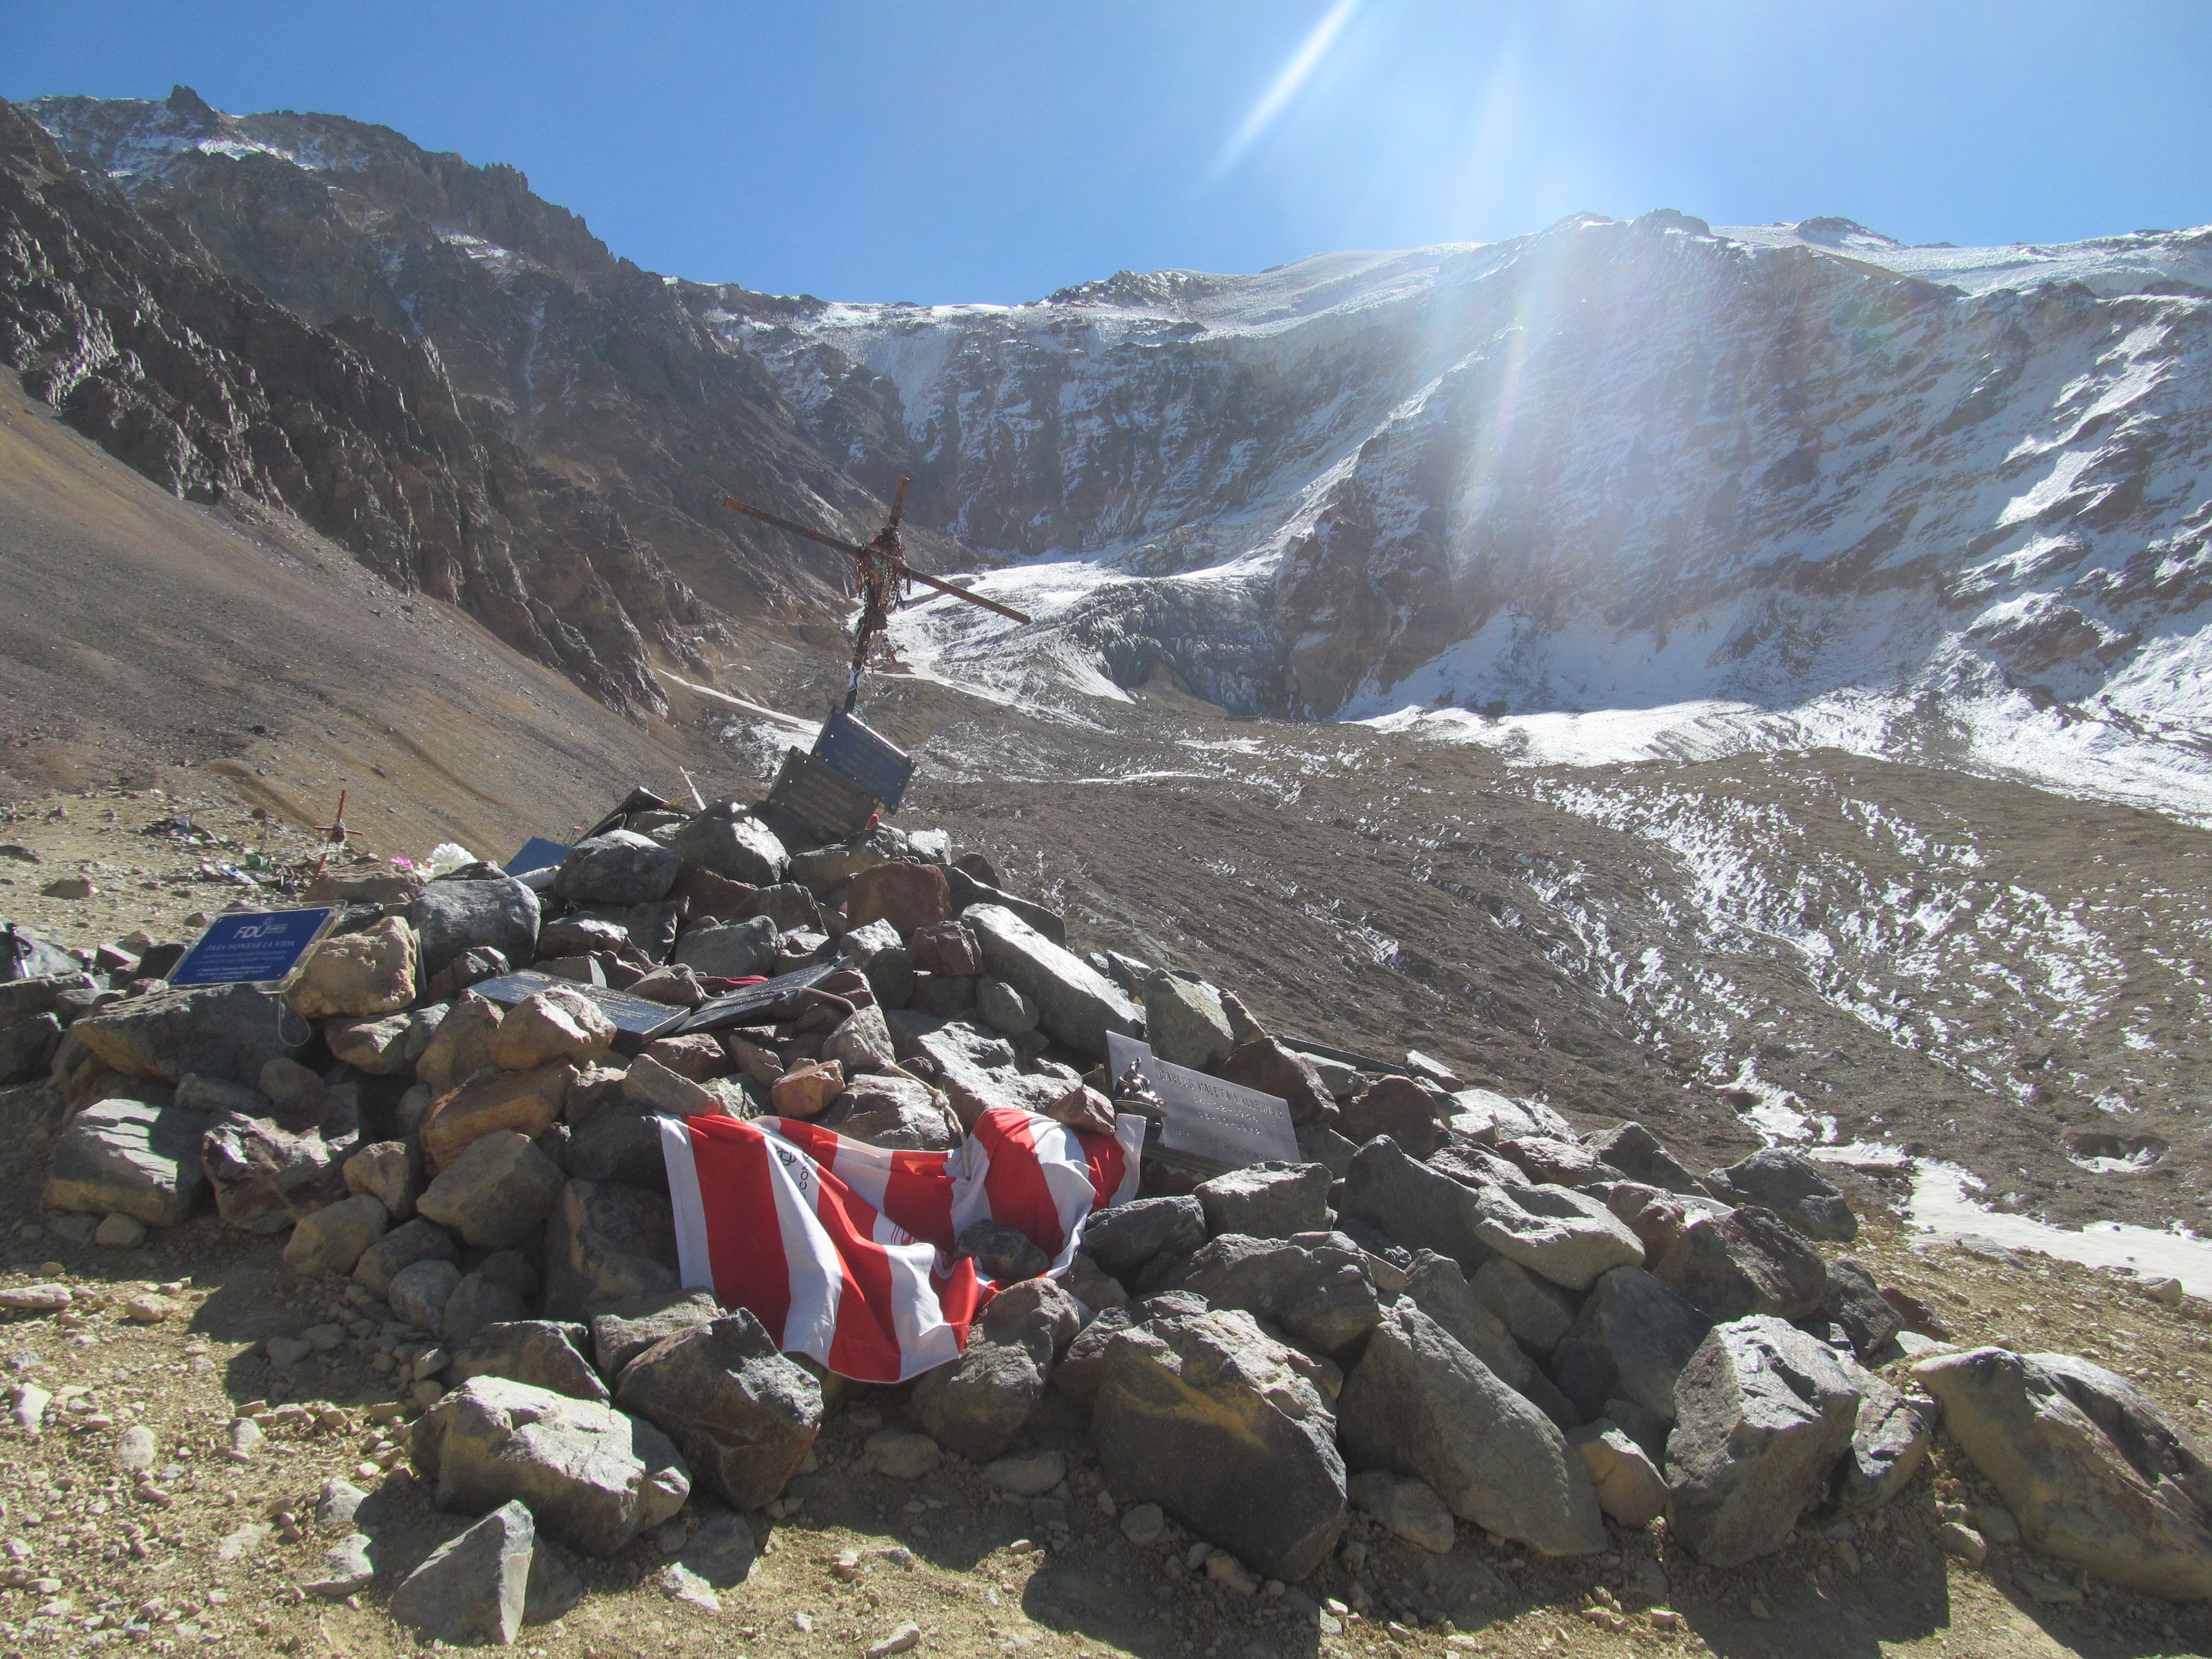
{"x":1453,"y":1309}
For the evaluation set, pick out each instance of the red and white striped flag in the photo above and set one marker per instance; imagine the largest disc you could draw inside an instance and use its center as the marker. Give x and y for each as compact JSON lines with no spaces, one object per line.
{"x":844,"y":1249}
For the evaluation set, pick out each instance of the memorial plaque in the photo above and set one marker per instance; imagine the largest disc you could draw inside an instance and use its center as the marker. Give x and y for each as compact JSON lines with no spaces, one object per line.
{"x":264,"y":947}
{"x":830,"y":805}
{"x":537,"y":853}
{"x":851,"y":747}
{"x":639,"y":1016}
{"x":742,"y":1006}
{"x":1209,"y":1120}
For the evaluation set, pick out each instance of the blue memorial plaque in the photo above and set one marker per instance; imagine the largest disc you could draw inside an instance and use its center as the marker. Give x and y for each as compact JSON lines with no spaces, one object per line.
{"x":537,"y":853}
{"x":865,"y":758}
{"x":252,"y":947}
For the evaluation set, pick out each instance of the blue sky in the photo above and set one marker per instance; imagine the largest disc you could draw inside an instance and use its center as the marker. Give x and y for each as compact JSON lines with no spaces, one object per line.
{"x":993,"y":150}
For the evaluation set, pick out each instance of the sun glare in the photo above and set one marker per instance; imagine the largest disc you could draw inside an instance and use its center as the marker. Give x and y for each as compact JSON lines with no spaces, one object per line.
{"x":1295,"y":75}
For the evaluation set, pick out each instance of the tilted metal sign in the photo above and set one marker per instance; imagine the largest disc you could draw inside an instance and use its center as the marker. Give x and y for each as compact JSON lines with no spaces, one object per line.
{"x":264,"y":947}
{"x":855,"y":751}
{"x":829,"y":803}
{"x":1223,"y":1123}
{"x":638,"y":1015}
{"x":537,"y":853}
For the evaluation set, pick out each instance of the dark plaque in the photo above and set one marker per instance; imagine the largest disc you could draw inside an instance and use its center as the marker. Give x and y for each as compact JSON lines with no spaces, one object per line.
{"x":830,"y":805}
{"x":849,"y":747}
{"x":639,"y":1016}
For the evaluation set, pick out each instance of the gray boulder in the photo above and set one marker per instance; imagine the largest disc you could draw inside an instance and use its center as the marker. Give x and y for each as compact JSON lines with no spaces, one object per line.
{"x":1555,"y":1232}
{"x":894,"y":1112}
{"x":1414,"y":1205}
{"x":1408,"y":1509}
{"x":730,"y":843}
{"x":391,"y":1172}
{"x":1270,"y":1199}
{"x":1442,"y":1291}
{"x":743,"y":1415}
{"x":1001,"y":1253}
{"x":730,"y":950}
{"x":627,"y":1329}
{"x":133,"y":1158}
{"x":1207,"y":1416}
{"x":1184,"y":1021}
{"x":623,"y":1143}
{"x":1763,"y":1413}
{"x":1747,"y":1261}
{"x":1631,"y":1342}
{"x":472,"y":1589}
{"x":1127,"y":1240}
{"x":619,"y":867}
{"x":496,"y":913}
{"x":1397,"y":1107}
{"x":2093,"y":1470}
{"x":593,"y":1478}
{"x":976,"y":1405}
{"x":419,"y":1293}
{"x":1889,"y":1442}
{"x":27,"y":1049}
{"x":1315,"y":1289}
{"x":1075,"y":1002}
{"x":331,"y":1240}
{"x":402,"y":1248}
{"x":1419,"y":1404}
{"x":224,"y":1031}
{"x":1793,"y":1187}
{"x":1630,"y":1488}
{"x":497,"y":1192}
{"x":1275,"y":1068}
{"x":264,"y":1176}
{"x":1637,"y":1153}
{"x":1538,"y":1312}
{"x":604,"y":1243}
{"x":481,"y":1300}
{"x":1855,"y":1302}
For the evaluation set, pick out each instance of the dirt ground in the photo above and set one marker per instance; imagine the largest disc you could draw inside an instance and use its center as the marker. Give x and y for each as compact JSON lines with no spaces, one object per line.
{"x":200,"y":1552}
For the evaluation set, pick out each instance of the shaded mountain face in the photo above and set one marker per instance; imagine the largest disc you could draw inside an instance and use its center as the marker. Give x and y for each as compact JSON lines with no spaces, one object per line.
{"x":593,"y":369}
{"x":215,"y":390}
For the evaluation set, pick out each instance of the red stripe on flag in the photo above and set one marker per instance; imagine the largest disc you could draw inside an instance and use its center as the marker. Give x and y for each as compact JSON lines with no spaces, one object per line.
{"x":747,"y":1259}
{"x":1014,"y":1186}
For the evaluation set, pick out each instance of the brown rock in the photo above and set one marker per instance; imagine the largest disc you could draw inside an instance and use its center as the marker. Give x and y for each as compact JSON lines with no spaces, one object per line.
{"x":713,"y":896}
{"x":1266,"y":1065}
{"x":460,"y":1047}
{"x":949,"y":947}
{"x":807,"y":1091}
{"x":1084,"y":1108}
{"x":697,"y":1056}
{"x":1396,"y":1107}
{"x":555,"y":1024}
{"x":371,"y":972}
{"x":1747,"y":1261}
{"x":527,"y":1102}
{"x":1552,"y":1161}
{"x":910,"y":896}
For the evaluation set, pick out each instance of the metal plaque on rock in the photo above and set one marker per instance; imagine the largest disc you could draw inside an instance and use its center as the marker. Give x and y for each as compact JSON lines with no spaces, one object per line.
{"x":639,"y":1016}
{"x":249,"y":947}
{"x":1223,"y":1123}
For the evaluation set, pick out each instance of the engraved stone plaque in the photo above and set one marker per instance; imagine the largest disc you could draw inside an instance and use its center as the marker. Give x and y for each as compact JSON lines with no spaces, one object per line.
{"x":1223,"y":1123}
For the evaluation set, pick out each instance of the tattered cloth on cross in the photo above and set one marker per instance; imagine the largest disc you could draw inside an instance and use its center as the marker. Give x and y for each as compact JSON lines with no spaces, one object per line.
{"x":844,"y":1251}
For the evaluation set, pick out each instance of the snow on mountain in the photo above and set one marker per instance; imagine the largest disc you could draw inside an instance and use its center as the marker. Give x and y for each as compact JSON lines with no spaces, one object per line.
{"x":1618,"y":487}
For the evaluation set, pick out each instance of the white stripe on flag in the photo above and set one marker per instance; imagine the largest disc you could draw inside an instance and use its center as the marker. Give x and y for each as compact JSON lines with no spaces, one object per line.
{"x":817,"y":1271}
{"x":694,"y":1262}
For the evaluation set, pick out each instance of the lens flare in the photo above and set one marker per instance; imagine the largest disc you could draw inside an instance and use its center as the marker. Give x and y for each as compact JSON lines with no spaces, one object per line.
{"x":1295,"y":75}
